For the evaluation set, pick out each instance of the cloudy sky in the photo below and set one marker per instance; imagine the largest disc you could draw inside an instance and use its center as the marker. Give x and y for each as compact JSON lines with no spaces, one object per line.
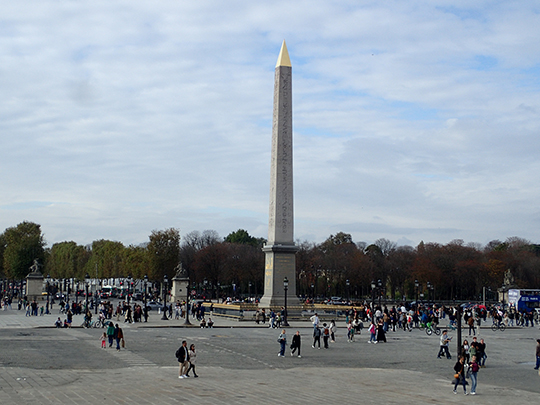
{"x":413,"y":120}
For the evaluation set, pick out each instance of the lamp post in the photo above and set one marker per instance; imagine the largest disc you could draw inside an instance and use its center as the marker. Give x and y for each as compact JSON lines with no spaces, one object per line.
{"x":128,"y":288}
{"x":48,"y":293}
{"x":87,"y":282}
{"x":379,"y":285}
{"x":428,"y":292}
{"x":373,"y":287}
{"x":285,"y":288}
{"x":313,"y":292}
{"x":348,"y":290}
{"x":187,"y":322}
{"x":249,"y":291}
{"x":165,"y":282}
{"x":145,"y":309}
{"x":97,"y":294}
{"x":416,"y":293}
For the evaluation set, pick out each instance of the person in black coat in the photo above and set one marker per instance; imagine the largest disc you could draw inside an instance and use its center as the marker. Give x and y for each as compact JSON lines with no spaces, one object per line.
{"x":381,"y":335}
{"x":182,"y":354}
{"x":296,"y":343}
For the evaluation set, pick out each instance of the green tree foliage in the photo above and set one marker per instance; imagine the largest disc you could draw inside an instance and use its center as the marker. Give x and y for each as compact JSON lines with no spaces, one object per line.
{"x":106,"y":258}
{"x":135,"y":262}
{"x":241,"y":236}
{"x":67,"y":260}
{"x":164,"y":253}
{"x":3,"y":244}
{"x":23,"y":244}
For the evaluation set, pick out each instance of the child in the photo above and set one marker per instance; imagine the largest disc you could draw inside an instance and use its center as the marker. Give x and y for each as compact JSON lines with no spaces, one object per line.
{"x":372,"y":330}
{"x":103,"y":340}
{"x":192,"y":358}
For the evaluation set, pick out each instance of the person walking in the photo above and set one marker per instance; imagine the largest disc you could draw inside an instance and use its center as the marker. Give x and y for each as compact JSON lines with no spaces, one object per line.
{"x":333,"y":331}
{"x":459,"y":368}
{"x":445,"y":341}
{"x":119,"y":336}
{"x":326,"y":335}
{"x":314,"y":321}
{"x":192,"y":359}
{"x":473,"y":373}
{"x":470,"y":322}
{"x":182,"y":354}
{"x":373,"y":332}
{"x":537,"y":354}
{"x":282,"y":339}
{"x":381,"y":335}
{"x":316,"y":337}
{"x":296,"y":342}
{"x":110,"y":333}
{"x":481,"y":355}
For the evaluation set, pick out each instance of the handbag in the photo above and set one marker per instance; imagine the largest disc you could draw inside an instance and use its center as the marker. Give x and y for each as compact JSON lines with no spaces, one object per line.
{"x":123,"y":342}
{"x":456,"y":376}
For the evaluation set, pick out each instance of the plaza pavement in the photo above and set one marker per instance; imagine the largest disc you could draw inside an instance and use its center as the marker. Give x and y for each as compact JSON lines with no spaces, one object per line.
{"x":144,"y":382}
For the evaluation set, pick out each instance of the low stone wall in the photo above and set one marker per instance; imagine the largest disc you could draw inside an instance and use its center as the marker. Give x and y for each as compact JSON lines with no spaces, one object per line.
{"x":246,"y":312}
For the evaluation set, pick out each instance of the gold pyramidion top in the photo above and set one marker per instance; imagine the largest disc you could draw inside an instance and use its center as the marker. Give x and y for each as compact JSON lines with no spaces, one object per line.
{"x":283,"y":58}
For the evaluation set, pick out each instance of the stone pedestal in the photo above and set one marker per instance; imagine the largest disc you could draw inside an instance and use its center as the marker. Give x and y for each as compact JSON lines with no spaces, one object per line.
{"x":34,"y":286}
{"x":180,"y":285}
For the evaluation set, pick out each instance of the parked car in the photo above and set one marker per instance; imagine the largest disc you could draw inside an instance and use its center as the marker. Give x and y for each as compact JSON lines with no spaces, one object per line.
{"x":154,"y":305}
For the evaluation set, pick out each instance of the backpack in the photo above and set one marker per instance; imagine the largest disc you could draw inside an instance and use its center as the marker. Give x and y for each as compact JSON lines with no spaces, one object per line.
{"x":326,"y":331}
{"x":178,"y":353}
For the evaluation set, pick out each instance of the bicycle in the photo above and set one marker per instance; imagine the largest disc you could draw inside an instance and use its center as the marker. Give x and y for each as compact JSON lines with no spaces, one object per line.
{"x":87,"y":324}
{"x":498,"y":326}
{"x":430,"y":328}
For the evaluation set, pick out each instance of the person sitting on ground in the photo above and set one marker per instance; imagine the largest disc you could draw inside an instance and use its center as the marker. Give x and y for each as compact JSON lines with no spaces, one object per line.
{"x":203,"y":323}
{"x":58,"y":323}
{"x":210,"y":323}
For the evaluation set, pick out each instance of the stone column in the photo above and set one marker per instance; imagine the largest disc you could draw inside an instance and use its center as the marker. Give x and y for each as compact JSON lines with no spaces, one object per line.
{"x":280,"y":250}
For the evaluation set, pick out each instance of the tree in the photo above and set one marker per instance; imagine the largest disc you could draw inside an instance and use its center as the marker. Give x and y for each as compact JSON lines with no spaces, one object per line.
{"x":23,"y":244}
{"x":67,"y":260}
{"x":164,"y":253}
{"x":242,"y":236}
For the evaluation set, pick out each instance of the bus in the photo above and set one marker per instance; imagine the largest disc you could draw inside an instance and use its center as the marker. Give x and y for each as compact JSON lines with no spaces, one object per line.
{"x":524,"y":300}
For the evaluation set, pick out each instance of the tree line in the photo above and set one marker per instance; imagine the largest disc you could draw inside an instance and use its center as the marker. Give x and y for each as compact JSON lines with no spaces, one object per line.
{"x":234,"y":265}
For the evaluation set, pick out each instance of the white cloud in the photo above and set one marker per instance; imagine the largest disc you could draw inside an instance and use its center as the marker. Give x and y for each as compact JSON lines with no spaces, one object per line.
{"x":413,"y":120}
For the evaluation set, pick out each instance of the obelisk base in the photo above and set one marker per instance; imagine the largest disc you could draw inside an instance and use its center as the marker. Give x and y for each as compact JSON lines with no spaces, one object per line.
{"x":280,"y":263}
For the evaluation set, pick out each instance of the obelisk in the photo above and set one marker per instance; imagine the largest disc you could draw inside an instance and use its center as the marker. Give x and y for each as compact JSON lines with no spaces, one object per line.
{"x":280,"y":250}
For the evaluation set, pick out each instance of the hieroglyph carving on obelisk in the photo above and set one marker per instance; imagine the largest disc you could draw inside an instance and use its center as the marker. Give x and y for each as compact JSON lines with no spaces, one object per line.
{"x":280,"y":250}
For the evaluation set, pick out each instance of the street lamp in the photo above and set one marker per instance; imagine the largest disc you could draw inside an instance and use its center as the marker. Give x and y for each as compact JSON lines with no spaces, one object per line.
{"x":348,"y":290}
{"x":313,"y":292}
{"x":165,"y":282}
{"x":128,"y":288}
{"x":48,"y":293}
{"x":249,"y":290}
{"x":428,"y":292}
{"x":373,"y":287}
{"x":187,"y":322}
{"x":379,"y":284}
{"x":416,"y":293}
{"x":87,"y":282}
{"x":145,"y":310}
{"x":285,"y":288}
